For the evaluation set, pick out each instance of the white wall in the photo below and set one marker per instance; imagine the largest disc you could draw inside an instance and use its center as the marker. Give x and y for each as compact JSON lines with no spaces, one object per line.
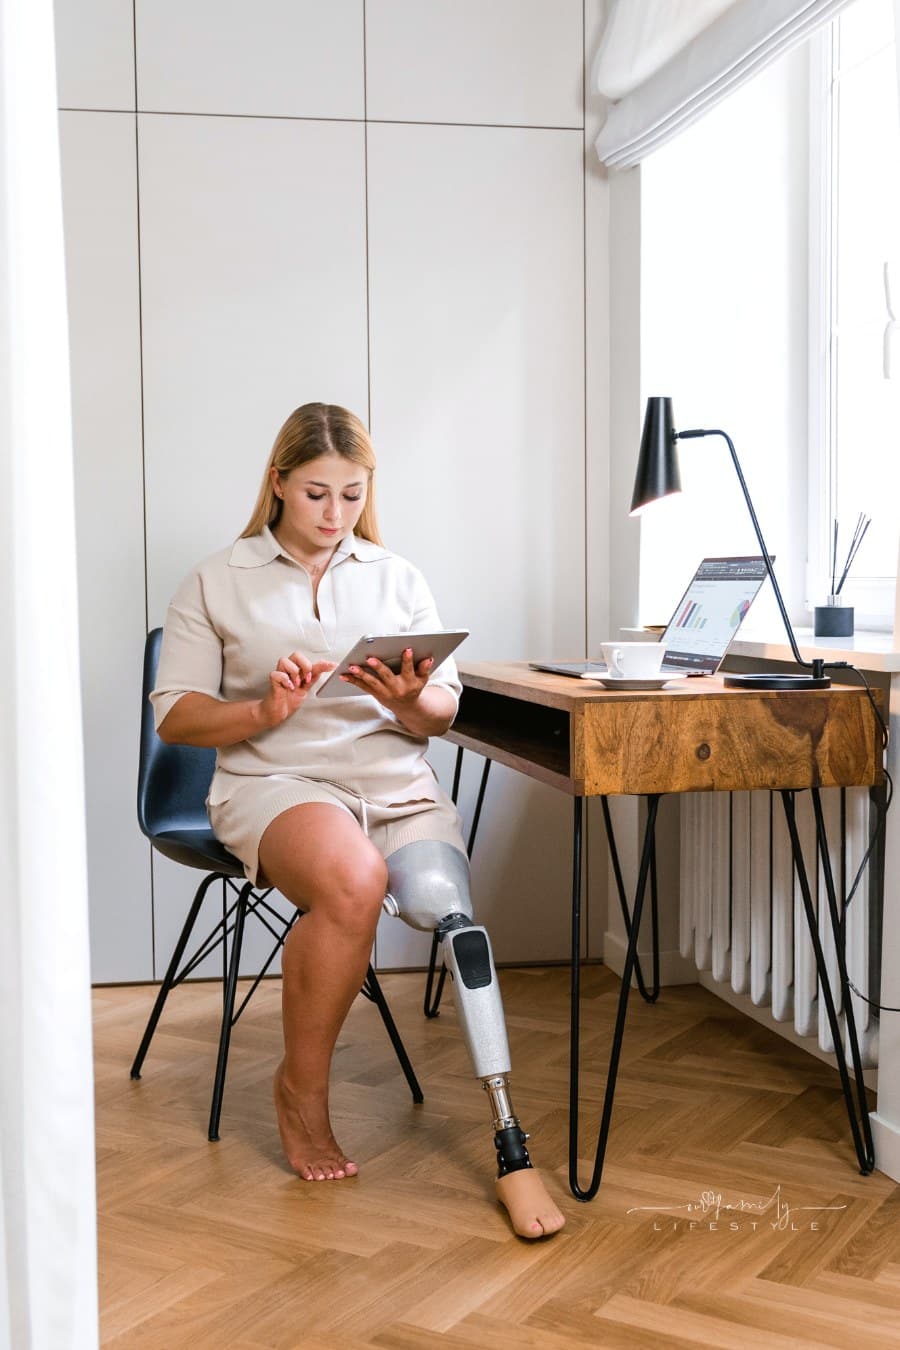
{"x":383,"y":206}
{"x":724,"y":267}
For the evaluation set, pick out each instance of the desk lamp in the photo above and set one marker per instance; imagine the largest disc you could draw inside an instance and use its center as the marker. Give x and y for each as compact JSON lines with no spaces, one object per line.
{"x":658,"y":476}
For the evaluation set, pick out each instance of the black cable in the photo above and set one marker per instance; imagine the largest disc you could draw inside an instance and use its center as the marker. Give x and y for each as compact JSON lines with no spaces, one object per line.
{"x":878,"y":833}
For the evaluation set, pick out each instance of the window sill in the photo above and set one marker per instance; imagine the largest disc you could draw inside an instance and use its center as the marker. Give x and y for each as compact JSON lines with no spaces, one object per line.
{"x":870,"y":651}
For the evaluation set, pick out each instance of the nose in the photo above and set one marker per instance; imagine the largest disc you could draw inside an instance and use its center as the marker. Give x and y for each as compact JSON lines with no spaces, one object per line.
{"x":332,"y":511}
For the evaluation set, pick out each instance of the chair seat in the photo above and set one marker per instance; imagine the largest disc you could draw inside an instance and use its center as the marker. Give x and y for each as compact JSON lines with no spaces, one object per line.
{"x":198,"y":848}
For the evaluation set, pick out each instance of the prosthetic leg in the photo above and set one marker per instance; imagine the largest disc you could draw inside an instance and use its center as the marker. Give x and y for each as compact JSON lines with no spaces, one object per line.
{"x":428,"y":887}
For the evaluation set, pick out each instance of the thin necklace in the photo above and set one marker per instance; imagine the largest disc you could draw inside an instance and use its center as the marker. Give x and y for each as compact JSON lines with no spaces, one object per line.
{"x":314,"y":570}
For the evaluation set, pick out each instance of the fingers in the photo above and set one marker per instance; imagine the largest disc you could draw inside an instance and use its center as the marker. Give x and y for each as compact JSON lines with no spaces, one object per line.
{"x":295,"y":675}
{"x":301,"y":671}
{"x":379,"y":680}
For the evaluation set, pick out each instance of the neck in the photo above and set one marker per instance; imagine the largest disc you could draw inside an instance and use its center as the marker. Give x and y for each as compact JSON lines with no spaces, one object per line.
{"x":314,"y":561}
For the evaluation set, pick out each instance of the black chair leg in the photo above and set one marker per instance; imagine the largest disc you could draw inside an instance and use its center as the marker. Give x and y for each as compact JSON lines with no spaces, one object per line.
{"x":171,"y":975}
{"x":228,"y":1010}
{"x":373,"y":991}
{"x":432,"y":1007}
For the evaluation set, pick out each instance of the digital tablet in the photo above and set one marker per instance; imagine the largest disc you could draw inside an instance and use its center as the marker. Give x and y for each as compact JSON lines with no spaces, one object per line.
{"x":389,"y":648}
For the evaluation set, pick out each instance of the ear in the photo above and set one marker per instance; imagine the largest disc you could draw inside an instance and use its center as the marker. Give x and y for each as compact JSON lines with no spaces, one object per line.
{"x":276,"y":482}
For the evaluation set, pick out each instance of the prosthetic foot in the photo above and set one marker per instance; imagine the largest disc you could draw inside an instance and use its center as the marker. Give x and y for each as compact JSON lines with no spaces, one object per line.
{"x":429,"y":888}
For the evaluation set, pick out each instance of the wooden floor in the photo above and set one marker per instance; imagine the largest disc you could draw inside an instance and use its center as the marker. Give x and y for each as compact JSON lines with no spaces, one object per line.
{"x":217,"y":1245}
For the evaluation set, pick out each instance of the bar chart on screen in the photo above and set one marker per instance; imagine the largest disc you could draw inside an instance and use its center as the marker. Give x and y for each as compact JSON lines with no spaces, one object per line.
{"x":710,"y":615}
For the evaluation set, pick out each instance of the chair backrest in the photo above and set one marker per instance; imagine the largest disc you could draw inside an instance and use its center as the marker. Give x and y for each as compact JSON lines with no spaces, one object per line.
{"x":173,"y":780}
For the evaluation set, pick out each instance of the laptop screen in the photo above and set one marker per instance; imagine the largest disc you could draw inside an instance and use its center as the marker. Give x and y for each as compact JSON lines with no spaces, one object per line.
{"x":710,"y":612}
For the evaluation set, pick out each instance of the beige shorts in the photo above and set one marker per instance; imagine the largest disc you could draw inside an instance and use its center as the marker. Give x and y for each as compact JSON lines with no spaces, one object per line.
{"x":253,"y":803}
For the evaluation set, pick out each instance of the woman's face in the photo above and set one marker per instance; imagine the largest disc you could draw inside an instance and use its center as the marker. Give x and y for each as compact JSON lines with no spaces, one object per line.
{"x":323,"y":499}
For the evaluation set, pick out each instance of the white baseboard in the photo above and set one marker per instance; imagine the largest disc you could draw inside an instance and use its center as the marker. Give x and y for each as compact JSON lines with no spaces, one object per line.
{"x":673,"y":967}
{"x":887,"y":1146}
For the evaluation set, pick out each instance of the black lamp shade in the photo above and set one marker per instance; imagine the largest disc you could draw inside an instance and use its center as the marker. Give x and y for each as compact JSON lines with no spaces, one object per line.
{"x":657,"y":471}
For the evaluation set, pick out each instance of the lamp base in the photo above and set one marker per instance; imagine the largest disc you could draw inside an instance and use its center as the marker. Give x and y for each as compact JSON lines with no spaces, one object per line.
{"x":777,"y":681}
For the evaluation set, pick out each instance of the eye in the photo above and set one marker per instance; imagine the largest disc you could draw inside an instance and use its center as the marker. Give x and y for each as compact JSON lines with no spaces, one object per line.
{"x":348,"y":498}
{"x":315,"y":496}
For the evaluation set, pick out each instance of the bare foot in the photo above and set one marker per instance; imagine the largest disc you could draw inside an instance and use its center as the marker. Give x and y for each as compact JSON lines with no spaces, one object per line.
{"x":310,"y":1147}
{"x":531,"y":1211}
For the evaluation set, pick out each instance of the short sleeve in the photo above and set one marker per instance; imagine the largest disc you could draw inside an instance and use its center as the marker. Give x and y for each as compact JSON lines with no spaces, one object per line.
{"x":427,"y":620}
{"x":190,"y":661}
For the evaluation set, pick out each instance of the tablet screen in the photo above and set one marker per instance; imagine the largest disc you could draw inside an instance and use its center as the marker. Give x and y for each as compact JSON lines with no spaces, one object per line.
{"x":389,"y":648}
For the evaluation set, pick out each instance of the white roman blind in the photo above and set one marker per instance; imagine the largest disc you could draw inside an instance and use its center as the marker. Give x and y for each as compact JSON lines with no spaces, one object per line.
{"x":667,"y":62}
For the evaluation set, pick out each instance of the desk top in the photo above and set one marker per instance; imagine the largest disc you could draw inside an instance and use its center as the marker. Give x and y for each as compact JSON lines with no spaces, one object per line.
{"x":694,"y":735}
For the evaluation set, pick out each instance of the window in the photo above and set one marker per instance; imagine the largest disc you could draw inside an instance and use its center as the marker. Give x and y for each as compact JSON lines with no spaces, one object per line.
{"x":855,"y":288}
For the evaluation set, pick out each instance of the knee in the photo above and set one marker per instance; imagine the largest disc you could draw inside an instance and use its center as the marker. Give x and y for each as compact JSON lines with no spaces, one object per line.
{"x":354,"y":893}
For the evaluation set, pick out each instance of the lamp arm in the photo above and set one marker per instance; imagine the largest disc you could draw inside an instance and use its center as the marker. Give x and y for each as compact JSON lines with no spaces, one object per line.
{"x":817,"y":667}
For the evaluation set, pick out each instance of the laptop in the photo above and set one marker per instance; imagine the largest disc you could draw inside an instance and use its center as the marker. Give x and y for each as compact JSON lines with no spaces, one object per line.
{"x":702,"y":625}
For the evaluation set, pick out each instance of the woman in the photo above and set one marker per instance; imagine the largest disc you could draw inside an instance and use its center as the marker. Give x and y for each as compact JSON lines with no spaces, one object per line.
{"x":324,"y":798}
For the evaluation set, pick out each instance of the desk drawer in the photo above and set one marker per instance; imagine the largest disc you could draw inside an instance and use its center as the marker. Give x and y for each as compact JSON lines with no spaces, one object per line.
{"x":727,"y":741}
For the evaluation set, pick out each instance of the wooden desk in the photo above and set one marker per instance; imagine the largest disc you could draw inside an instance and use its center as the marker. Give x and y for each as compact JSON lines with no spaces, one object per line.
{"x":692,"y":736}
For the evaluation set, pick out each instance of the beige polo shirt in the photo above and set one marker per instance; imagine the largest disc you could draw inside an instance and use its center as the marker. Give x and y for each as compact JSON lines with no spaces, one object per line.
{"x":242,"y":609}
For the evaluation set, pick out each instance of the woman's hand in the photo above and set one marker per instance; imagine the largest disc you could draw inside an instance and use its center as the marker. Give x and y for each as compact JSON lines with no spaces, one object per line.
{"x":422,"y":710}
{"x":394,"y":691}
{"x":289,"y":684}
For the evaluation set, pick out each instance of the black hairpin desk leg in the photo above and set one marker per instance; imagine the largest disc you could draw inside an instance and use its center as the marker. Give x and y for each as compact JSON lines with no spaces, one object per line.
{"x":648,"y":995}
{"x":857,"y":1110}
{"x":634,"y":928}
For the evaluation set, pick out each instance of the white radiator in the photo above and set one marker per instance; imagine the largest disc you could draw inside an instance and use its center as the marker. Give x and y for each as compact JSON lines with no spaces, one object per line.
{"x":742,"y":915}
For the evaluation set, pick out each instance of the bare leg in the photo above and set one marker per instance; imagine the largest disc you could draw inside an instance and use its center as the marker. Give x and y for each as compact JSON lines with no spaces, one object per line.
{"x":318,"y":857}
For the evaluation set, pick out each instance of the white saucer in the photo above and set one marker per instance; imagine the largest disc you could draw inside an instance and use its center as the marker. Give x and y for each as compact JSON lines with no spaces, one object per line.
{"x":632,"y":682}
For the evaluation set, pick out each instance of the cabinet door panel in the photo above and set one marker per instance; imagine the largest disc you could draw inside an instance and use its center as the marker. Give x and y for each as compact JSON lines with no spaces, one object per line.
{"x":274,"y":58}
{"x":95,"y":54}
{"x":100,"y":216}
{"x":507,"y":63}
{"x":254,"y":301}
{"x":477,"y":322}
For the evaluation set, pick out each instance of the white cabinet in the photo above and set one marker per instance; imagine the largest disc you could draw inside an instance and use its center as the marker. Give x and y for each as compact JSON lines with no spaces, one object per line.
{"x":100,"y":215}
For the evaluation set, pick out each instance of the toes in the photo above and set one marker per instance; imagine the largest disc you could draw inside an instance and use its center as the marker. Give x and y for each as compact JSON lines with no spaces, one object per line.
{"x":325,"y":1171}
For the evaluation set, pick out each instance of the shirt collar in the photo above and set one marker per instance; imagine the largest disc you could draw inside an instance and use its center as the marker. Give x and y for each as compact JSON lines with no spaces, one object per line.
{"x":258,"y":549}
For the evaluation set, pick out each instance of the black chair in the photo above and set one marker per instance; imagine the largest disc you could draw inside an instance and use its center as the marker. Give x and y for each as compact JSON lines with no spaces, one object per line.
{"x":173,"y":781}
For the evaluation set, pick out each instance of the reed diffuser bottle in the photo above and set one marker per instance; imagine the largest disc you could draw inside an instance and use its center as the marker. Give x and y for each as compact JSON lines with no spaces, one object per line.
{"x":834,"y":618}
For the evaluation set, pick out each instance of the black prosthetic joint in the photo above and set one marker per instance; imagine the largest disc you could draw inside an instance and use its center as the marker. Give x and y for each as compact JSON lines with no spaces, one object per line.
{"x":512,"y":1155}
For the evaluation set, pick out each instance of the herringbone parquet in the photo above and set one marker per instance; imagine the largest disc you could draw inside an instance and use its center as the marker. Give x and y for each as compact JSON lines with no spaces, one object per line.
{"x":217,"y":1245}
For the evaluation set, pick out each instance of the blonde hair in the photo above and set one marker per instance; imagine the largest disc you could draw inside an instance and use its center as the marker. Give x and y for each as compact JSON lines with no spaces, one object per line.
{"x":311,"y":431}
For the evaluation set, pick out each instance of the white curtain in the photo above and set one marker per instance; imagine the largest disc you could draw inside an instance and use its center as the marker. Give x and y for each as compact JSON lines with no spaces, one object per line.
{"x":888,"y":371}
{"x":48,"y":1272}
{"x":667,"y":62}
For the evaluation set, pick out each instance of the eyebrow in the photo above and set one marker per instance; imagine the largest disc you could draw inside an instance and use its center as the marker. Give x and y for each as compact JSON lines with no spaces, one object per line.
{"x":314,"y":482}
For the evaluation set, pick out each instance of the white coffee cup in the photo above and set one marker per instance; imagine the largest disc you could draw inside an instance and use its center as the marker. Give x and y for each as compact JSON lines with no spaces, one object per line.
{"x":633,"y":660}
